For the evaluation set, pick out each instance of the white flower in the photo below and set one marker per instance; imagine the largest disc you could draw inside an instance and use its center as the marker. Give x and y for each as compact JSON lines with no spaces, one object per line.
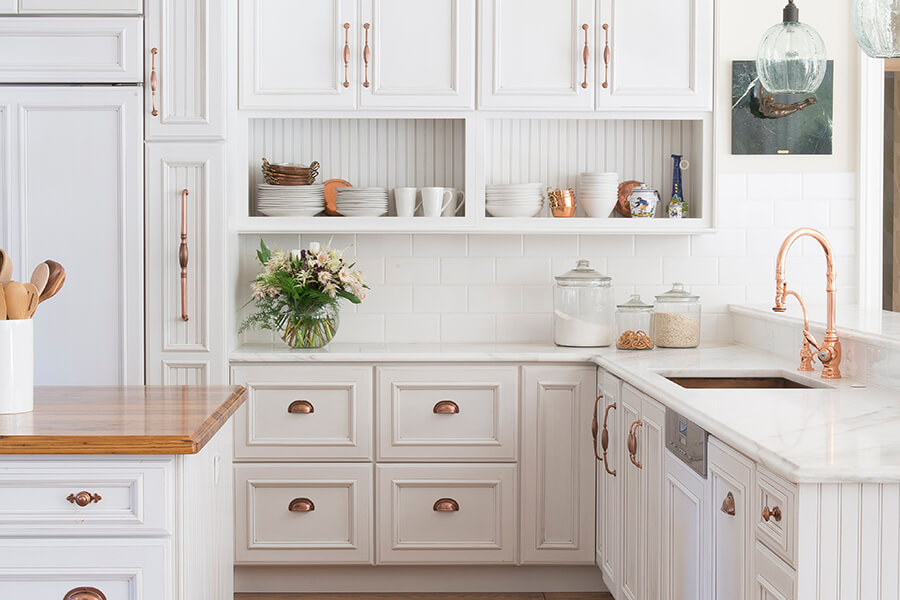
{"x":331,"y":290}
{"x":322,"y":258}
{"x":324,"y":277}
{"x":314,"y":247}
{"x":295,"y":254}
{"x":345,"y":276}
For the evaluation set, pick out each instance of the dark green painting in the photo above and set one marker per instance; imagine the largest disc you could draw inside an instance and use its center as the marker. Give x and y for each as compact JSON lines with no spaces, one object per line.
{"x":780,"y":124}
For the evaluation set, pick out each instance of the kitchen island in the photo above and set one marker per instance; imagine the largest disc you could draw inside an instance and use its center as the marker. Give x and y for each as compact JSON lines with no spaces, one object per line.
{"x":118,"y":493}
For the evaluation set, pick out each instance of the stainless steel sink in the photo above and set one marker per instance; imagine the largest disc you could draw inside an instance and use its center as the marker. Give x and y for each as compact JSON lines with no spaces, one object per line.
{"x":741,"y":382}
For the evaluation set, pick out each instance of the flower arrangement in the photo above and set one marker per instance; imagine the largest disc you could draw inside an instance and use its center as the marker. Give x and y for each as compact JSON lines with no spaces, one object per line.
{"x":297,"y":293}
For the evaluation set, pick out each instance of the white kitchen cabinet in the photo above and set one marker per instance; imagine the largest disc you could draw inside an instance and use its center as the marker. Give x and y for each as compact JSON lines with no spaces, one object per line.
{"x":773,"y":579}
{"x":557,"y":468}
{"x":609,"y":475}
{"x":532,"y":54}
{"x":76,"y":7}
{"x":685,"y":537}
{"x":8,"y":7}
{"x":185,"y":334}
{"x":660,"y":54}
{"x":72,"y":177}
{"x":419,"y":54}
{"x":184,"y":60}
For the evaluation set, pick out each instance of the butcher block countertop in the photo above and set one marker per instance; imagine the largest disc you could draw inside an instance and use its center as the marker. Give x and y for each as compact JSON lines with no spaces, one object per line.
{"x":120,"y":420}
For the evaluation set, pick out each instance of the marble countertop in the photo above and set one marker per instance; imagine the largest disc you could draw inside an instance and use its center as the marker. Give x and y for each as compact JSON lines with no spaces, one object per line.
{"x":848,"y":431}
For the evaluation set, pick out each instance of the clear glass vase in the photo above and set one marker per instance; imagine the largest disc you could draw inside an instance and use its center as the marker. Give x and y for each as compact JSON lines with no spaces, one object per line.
{"x":311,"y":329}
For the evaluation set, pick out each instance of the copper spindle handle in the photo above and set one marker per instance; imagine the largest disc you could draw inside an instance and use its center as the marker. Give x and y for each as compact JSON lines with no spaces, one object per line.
{"x":728,"y":504}
{"x":774,"y":513}
{"x":301,"y":505}
{"x":301,"y":407}
{"x":183,"y":255}
{"x":446,"y":407}
{"x":606,"y":57}
{"x":586,"y":55}
{"x":82,"y":499}
{"x":632,"y":443}
{"x":346,"y":54}
{"x":445,"y":505}
{"x":604,"y":439}
{"x":367,"y":54}
{"x":154,"y":82}
{"x":84,"y":593}
{"x":595,"y":427}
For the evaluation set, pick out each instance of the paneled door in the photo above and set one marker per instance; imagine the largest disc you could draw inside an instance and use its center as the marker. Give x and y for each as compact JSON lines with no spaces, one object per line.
{"x":71,"y":167}
{"x":537,"y":54}
{"x":655,"y":54}
{"x":184,"y":69}
{"x":416,"y":54}
{"x":609,"y":469}
{"x":685,"y":536}
{"x":298,"y":54}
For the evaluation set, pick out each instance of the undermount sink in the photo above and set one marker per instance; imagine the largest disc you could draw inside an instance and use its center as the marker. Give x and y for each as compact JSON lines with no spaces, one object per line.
{"x":742,"y":382}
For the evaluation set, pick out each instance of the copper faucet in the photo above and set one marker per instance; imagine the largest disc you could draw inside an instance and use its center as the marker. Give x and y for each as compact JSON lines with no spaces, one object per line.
{"x":829,"y":353}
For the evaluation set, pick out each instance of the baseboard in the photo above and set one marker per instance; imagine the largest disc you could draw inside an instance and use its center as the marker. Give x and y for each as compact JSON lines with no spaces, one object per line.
{"x":417,"y":579}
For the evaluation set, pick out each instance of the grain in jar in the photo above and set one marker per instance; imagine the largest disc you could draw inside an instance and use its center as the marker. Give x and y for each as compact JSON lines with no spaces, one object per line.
{"x":676,"y":319}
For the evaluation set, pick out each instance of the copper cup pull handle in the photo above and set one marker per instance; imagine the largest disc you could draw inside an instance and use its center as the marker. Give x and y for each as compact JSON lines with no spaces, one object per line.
{"x":606,"y":57}
{"x":183,"y":255}
{"x":367,"y":54}
{"x":595,"y":427}
{"x":586,"y":55}
{"x":774,"y":513}
{"x":154,"y":82}
{"x":301,"y":505}
{"x":84,"y":593}
{"x":346,"y":54}
{"x":604,"y":439}
{"x":632,"y":444}
{"x":446,"y":407}
{"x":445,"y":505}
{"x":84,"y":498}
{"x":301,"y":407}
{"x":728,"y":504}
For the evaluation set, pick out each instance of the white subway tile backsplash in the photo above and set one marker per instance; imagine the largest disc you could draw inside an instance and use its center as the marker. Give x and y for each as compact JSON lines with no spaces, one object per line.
{"x":523,"y":271}
{"x":467,"y":271}
{"x":597,"y":246}
{"x":843,"y":213}
{"x":440,"y":298}
{"x":732,"y":187}
{"x":439,"y":245}
{"x":411,"y":328}
{"x":517,"y":329}
{"x":720,"y":243}
{"x":378,"y":244}
{"x":663,"y":245}
{"x":746,"y":214}
{"x":747,"y":271}
{"x":829,"y":186}
{"x":361,"y":328}
{"x":635,"y":271}
{"x":491,"y":246}
{"x":467,"y":327}
{"x":418,"y":271}
{"x":537,"y":299}
{"x":372,"y":269}
{"x":388,"y":299}
{"x":774,"y":186}
{"x":339,"y":241}
{"x":495,"y":299}
{"x":551,"y":245}
{"x":692,"y":270}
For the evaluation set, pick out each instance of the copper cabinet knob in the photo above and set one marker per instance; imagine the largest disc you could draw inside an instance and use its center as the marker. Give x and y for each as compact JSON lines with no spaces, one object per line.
{"x":84,"y":593}
{"x":445,"y":505}
{"x":446,"y":407}
{"x":83,"y":498}
{"x":773,"y":513}
{"x":301,"y":505}
{"x":301,"y":407}
{"x":728,"y":504}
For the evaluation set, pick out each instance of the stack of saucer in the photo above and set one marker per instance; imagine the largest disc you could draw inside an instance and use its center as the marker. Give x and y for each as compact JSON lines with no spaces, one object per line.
{"x":514,"y":200}
{"x":362,"y":202}
{"x":597,"y":193}
{"x":290,"y":200}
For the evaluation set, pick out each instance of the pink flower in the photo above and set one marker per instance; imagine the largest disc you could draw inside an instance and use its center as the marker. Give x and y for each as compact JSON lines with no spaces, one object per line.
{"x":324,"y":277}
{"x":345,"y":276}
{"x":322,"y":257}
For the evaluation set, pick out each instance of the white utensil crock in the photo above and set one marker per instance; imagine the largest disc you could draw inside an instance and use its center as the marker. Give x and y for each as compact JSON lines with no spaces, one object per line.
{"x":16,"y":366}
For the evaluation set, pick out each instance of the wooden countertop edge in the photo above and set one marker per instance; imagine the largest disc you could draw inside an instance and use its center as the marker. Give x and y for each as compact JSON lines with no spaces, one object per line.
{"x":127,"y":444}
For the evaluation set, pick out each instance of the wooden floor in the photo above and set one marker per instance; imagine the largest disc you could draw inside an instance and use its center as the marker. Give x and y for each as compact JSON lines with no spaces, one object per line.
{"x":528,"y":596}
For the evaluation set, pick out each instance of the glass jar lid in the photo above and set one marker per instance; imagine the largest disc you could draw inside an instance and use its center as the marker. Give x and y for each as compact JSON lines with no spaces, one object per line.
{"x":677,"y":294}
{"x":635,"y":304}
{"x":583,"y":275}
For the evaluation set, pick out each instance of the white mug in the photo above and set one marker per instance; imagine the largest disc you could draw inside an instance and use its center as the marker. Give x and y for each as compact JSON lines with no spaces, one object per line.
{"x":458,"y":201}
{"x":435,"y":200}
{"x":405,"y":201}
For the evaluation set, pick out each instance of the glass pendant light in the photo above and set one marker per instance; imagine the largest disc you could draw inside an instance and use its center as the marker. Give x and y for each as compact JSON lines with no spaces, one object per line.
{"x":791,"y":56}
{"x":876,"y":24}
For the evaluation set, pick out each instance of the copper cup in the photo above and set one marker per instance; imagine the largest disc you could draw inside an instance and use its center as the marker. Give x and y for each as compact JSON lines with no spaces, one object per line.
{"x":562,"y":202}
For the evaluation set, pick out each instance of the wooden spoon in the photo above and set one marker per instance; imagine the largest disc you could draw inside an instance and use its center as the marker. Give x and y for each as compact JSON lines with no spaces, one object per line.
{"x":2,"y":305}
{"x":6,"y":268}
{"x":55,"y":281}
{"x":34,"y":298}
{"x":18,"y":300}
{"x":40,"y":276}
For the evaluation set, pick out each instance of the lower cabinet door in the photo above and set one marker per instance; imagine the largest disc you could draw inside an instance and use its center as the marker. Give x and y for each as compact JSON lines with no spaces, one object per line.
{"x":303,"y":514}
{"x":773,"y":578}
{"x":609,"y":477}
{"x":446,"y":514}
{"x":731,"y":535}
{"x":684,"y":532}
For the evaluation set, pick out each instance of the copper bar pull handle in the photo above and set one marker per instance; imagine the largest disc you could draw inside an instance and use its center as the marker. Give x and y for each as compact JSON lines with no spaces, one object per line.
{"x":728,"y":504}
{"x":446,"y":407}
{"x":774,"y":513}
{"x":367,"y":54}
{"x":595,"y":427}
{"x":301,"y":407}
{"x":84,"y":593}
{"x":586,"y":55}
{"x":183,"y":255}
{"x":154,"y":82}
{"x":606,"y":57}
{"x":604,"y":439}
{"x":346,"y":54}
{"x":301,"y":505}
{"x":632,"y":444}
{"x":445,"y":505}
{"x":82,"y":499}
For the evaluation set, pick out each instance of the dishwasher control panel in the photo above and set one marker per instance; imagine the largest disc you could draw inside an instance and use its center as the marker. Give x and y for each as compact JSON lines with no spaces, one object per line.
{"x":687,"y":441}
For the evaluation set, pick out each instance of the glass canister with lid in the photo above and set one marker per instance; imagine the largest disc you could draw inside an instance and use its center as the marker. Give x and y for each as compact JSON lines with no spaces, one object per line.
{"x":633,"y":324}
{"x":676,"y":319}
{"x":583,"y":308}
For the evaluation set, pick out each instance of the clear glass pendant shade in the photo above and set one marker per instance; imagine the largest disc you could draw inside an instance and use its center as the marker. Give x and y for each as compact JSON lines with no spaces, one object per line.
{"x":791,"y":57}
{"x":876,"y":24}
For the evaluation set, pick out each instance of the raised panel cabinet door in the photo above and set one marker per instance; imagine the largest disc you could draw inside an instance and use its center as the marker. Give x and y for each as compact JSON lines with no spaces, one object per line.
{"x":609,"y":477}
{"x":632,"y":515}
{"x":185,"y":204}
{"x":660,"y":54}
{"x":299,"y":54}
{"x":684,"y":539}
{"x":74,"y":194}
{"x":184,"y":69}
{"x":651,"y":449}
{"x":532,"y":54}
{"x":80,"y":7}
{"x":731,"y":523}
{"x":557,"y":520}
{"x":417,"y":54}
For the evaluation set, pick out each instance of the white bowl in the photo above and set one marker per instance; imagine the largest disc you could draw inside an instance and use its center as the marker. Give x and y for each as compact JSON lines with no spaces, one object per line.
{"x":598,"y":207}
{"x":513,"y":211}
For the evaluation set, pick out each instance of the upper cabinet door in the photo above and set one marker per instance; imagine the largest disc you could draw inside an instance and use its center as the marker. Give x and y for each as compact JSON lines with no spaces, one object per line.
{"x":8,"y":7}
{"x":660,"y":54}
{"x":532,"y":54}
{"x":298,"y":54}
{"x":185,"y":63}
{"x":78,"y":7}
{"x":416,"y":54}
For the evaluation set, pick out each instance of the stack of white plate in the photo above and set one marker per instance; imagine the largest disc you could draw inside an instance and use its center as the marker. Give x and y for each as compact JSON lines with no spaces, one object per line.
{"x":514,"y":200}
{"x":290,"y":200}
{"x":597,"y":193}
{"x":362,"y":202}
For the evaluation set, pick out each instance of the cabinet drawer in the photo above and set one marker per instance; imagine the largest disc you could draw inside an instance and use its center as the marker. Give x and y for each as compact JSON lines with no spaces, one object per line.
{"x":441,"y":413}
{"x":772,"y":578}
{"x":305,"y":412}
{"x":70,"y":50}
{"x":122,"y":498}
{"x":119,"y":569}
{"x":446,"y":514}
{"x":776,"y":498}
{"x":303,"y":514}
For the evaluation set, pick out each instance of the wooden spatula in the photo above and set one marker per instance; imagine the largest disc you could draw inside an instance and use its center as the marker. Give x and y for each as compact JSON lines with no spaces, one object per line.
{"x":6,"y":268}
{"x":40,"y":276}
{"x":55,"y":280}
{"x":2,"y":305}
{"x":21,"y":300}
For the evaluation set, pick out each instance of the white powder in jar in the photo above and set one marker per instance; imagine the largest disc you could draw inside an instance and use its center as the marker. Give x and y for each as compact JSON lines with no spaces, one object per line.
{"x":675,"y":330}
{"x":570,"y":331}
